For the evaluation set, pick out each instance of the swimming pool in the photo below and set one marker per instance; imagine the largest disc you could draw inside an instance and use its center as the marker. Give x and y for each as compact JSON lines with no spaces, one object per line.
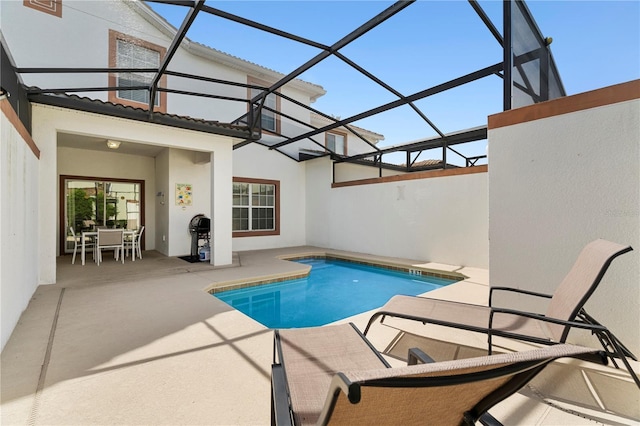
{"x":333,"y":290}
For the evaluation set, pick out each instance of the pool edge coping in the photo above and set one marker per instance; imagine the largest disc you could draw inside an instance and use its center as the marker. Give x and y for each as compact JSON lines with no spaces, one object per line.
{"x":361,"y":260}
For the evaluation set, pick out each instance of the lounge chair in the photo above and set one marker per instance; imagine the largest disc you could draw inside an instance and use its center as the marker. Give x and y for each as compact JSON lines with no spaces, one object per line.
{"x":333,"y":375}
{"x":565,"y":309}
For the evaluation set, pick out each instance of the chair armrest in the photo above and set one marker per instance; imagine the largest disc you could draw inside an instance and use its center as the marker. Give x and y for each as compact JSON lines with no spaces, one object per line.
{"x":599,"y":357}
{"x":488,"y":420}
{"x":576,"y":324}
{"x":339,"y":384}
{"x":516,"y":290}
{"x":280,"y":410}
{"x":416,"y":354}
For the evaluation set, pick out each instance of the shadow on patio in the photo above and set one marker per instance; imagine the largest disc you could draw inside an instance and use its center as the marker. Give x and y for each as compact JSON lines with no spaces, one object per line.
{"x":138,"y":344}
{"x":144,"y":343}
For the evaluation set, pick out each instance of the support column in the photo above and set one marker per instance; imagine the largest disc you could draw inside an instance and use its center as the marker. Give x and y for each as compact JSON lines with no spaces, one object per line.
{"x":221,"y":195}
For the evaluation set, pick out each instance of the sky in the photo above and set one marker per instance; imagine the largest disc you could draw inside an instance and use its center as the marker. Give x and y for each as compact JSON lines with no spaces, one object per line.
{"x":595,"y":44}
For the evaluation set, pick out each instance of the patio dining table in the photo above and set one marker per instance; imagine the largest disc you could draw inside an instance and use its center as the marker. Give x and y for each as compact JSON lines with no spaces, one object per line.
{"x":94,"y":234}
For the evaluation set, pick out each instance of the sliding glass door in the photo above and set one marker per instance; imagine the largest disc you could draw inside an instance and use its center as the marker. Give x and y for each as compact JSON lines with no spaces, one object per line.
{"x":90,"y":203}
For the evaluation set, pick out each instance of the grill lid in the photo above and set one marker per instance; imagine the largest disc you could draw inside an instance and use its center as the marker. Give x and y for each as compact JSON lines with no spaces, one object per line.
{"x":199,"y":223}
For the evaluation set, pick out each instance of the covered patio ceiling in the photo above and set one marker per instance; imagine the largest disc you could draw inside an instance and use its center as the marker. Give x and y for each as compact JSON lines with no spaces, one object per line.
{"x":527,"y":71}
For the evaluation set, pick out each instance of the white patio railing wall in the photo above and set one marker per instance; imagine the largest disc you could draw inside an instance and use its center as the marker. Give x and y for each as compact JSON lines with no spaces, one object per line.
{"x":564,"y":173}
{"x":438,"y":219}
{"x":19,"y":243}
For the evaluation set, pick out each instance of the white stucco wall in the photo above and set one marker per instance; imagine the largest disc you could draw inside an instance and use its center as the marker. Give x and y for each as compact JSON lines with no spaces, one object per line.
{"x":19,"y":226}
{"x":162,"y":202}
{"x":441,"y":219}
{"x":94,"y":20}
{"x":256,"y":161}
{"x":31,"y":35}
{"x":555,"y":185}
{"x":221,"y":217}
{"x":184,"y":169}
{"x":346,"y":171}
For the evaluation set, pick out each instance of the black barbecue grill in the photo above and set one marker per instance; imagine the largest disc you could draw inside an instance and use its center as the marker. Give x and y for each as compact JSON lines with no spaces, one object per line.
{"x":200,"y":230}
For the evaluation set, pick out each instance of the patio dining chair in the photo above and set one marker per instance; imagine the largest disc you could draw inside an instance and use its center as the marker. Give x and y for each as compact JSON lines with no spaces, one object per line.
{"x":565,"y":309}
{"x":333,"y":375}
{"x":110,"y":239}
{"x":77,"y":242}
{"x":132,"y":242}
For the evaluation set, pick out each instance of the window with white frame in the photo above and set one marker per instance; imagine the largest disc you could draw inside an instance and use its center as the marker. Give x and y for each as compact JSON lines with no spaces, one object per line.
{"x":130,"y":55}
{"x":130,"y":52}
{"x":255,"y":207}
{"x":335,"y":142}
{"x":269,"y":119}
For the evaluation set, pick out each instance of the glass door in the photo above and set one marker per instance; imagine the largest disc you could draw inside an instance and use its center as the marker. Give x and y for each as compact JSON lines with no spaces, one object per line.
{"x":92,"y":203}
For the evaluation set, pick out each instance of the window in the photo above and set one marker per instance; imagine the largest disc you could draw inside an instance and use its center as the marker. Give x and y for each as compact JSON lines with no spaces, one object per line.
{"x":129,"y":55}
{"x":88,"y":202}
{"x":256,"y":207}
{"x":336,"y":142}
{"x":129,"y":52}
{"x":269,"y":120}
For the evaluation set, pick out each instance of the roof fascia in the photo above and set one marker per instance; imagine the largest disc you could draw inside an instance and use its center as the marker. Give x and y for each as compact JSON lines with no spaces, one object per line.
{"x":152,"y":17}
{"x":138,"y":115}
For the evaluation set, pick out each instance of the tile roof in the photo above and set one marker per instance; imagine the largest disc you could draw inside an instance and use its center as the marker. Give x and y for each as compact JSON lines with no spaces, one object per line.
{"x":424,"y":163}
{"x":125,"y":111}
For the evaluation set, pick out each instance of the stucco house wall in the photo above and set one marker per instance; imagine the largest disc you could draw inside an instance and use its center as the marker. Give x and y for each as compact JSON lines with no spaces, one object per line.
{"x":441,"y":219}
{"x":344,"y":172}
{"x":354,"y":143}
{"x":561,"y":174}
{"x":19,"y":188}
{"x":95,"y":19}
{"x":91,"y":19}
{"x":292,"y":180}
{"x":184,"y":168}
{"x":161,"y":202}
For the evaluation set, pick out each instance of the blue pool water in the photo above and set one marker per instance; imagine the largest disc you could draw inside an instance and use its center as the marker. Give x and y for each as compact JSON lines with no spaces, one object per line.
{"x":333,"y":290}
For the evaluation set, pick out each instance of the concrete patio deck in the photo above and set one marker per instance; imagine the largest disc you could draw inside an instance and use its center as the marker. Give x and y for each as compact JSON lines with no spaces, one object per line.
{"x":144,"y":343}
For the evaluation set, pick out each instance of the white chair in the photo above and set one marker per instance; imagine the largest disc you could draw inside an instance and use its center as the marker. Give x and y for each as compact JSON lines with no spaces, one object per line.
{"x":133,"y":242}
{"x":110,"y":239}
{"x":138,"y":238}
{"x":77,"y":241}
